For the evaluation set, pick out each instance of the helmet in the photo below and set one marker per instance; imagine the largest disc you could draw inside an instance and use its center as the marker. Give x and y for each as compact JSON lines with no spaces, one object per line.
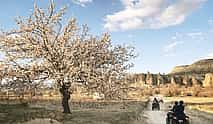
{"x":181,"y":102}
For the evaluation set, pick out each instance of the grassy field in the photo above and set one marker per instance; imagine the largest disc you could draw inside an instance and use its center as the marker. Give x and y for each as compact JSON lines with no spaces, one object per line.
{"x":204,"y":108}
{"x":191,"y":100}
{"x":89,"y":112}
{"x":127,"y":112}
{"x":204,"y":104}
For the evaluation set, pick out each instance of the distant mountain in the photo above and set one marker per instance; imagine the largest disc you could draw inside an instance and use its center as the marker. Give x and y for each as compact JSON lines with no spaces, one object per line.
{"x":200,"y":67}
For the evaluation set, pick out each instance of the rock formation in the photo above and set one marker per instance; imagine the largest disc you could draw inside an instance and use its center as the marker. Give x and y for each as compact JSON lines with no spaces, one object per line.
{"x":138,"y":80}
{"x":173,"y":81}
{"x":188,"y":75}
{"x":208,"y":81}
{"x":187,"y":81}
{"x":149,"y":79}
{"x":199,"y":67}
{"x":196,"y":82}
{"x":160,"y":79}
{"x":179,"y":69}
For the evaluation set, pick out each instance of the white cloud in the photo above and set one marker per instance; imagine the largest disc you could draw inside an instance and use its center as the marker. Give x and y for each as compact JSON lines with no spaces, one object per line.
{"x":171,"y":46}
{"x":174,"y":37}
{"x":192,"y":34}
{"x":169,"y":50}
{"x":209,"y":56}
{"x":210,"y":21}
{"x":82,"y":2}
{"x":130,"y":35}
{"x":171,"y":54}
{"x":195,"y":34}
{"x":152,"y":14}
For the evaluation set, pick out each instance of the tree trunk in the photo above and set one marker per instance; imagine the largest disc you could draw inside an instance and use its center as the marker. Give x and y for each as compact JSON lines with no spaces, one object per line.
{"x":65,"y":99}
{"x":65,"y":104}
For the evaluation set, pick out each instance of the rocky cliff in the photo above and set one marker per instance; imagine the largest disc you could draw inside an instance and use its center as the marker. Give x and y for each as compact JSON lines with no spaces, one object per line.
{"x":199,"y":67}
{"x":208,"y":82}
{"x":199,"y":73}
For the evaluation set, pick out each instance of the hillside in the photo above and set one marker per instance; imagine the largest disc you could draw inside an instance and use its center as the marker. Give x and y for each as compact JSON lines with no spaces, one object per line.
{"x":200,"y":67}
{"x":198,"y":74}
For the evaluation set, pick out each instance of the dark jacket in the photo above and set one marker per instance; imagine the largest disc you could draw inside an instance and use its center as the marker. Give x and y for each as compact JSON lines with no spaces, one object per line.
{"x":180,"y":112}
{"x":175,"y":108}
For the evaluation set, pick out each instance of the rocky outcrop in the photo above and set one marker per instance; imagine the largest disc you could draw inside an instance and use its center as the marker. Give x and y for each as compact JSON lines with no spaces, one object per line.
{"x":160,"y":79}
{"x":196,"y":81}
{"x":199,"y":67}
{"x":138,"y":80}
{"x":178,"y":69}
{"x":177,"y":80}
{"x":208,"y":81}
{"x":187,"y":81}
{"x":198,"y":74}
{"x":149,"y":79}
{"x":173,"y":81}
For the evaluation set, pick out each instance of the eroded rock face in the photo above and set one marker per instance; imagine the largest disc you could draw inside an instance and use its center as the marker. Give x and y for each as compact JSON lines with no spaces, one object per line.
{"x":173,"y":81}
{"x":149,"y":79}
{"x":196,"y":81}
{"x":138,"y":77}
{"x":179,"y":69}
{"x":208,"y":81}
{"x":199,"y":67}
{"x":160,"y":79}
{"x":187,"y":81}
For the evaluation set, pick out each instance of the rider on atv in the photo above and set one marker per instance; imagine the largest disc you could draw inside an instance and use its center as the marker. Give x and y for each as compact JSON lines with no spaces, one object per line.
{"x":177,"y":114}
{"x":155,"y":104}
{"x":175,"y":107}
{"x":180,"y":111}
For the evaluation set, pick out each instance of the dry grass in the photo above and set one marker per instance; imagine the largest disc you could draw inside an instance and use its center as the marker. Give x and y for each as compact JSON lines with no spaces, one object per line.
{"x":204,"y":104}
{"x":191,"y":100}
{"x":82,"y":113}
{"x":204,"y":108}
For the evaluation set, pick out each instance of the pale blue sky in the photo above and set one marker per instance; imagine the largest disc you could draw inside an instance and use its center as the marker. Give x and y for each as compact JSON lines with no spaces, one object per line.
{"x":166,"y":33}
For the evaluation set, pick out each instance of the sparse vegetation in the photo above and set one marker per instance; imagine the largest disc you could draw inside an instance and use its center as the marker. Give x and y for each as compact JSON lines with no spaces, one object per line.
{"x":126,"y":112}
{"x":204,"y":108}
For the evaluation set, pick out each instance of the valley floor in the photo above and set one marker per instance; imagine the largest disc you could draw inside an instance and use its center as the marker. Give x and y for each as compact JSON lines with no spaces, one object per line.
{"x":111,"y":112}
{"x":196,"y":116}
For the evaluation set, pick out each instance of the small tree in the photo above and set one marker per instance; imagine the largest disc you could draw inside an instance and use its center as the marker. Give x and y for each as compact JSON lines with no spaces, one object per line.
{"x":68,"y":54}
{"x":21,"y":80}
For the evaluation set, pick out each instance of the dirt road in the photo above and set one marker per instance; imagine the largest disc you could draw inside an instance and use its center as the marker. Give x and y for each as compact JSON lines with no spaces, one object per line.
{"x":155,"y":117}
{"x":158,"y":117}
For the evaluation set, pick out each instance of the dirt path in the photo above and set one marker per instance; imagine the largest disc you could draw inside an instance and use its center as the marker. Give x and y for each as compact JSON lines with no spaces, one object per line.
{"x":155,"y":117}
{"x":159,"y":117}
{"x":197,"y":117}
